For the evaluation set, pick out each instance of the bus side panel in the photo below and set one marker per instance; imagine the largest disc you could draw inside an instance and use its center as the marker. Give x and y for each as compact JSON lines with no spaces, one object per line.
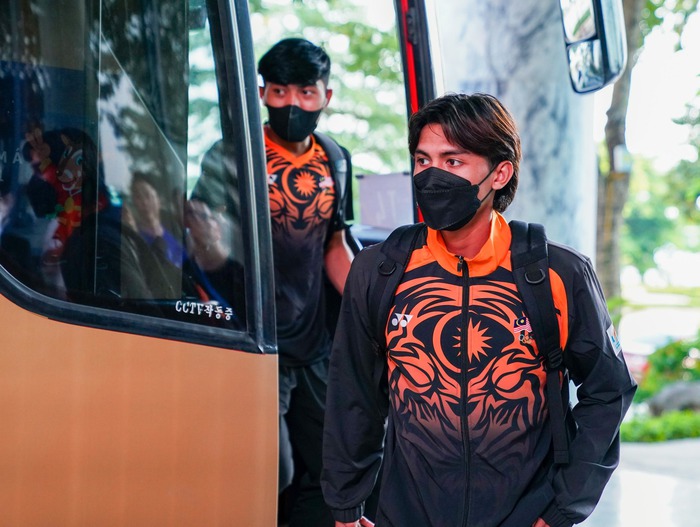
{"x":104,"y":428}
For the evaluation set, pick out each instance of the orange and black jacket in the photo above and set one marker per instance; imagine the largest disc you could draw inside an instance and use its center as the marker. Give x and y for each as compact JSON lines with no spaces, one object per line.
{"x":304,"y":214}
{"x":457,"y":418}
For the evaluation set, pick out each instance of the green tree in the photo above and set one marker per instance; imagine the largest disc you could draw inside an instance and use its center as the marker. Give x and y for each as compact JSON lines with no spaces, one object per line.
{"x":647,"y":222}
{"x":641,"y":17}
{"x":366,"y":76}
{"x":685,"y":177}
{"x":664,"y":208}
{"x":136,"y":48}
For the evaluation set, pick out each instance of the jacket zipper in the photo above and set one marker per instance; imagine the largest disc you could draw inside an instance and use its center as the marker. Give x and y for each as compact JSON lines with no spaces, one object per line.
{"x":464,"y":270}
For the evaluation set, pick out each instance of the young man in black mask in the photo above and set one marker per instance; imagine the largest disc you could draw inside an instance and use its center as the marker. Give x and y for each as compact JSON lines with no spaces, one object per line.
{"x":308,"y":239}
{"x":459,"y":415}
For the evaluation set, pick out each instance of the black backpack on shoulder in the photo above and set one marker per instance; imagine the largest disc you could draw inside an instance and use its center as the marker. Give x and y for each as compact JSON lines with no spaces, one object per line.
{"x":530,"y":262}
{"x":341,"y":172}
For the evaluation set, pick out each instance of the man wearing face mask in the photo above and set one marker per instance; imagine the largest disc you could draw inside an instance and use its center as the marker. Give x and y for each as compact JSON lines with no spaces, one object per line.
{"x":308,"y":239}
{"x":458,"y":418}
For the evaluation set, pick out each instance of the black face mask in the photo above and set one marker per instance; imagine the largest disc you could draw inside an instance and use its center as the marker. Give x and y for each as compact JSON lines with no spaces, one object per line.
{"x":292,"y":123}
{"x":448,"y":202}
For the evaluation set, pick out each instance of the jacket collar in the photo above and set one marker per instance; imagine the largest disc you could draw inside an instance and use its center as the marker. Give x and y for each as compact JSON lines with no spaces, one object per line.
{"x":492,"y":255}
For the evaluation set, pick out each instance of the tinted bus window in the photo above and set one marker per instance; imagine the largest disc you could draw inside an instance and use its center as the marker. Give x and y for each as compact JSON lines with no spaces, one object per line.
{"x":119,"y":175}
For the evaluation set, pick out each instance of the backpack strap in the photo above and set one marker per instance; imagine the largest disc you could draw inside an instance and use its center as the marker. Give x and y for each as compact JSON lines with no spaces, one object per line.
{"x":530,"y":262}
{"x":391,"y":262}
{"x":340,"y":171}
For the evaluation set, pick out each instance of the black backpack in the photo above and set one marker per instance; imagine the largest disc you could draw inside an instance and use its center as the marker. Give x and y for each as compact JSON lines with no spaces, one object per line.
{"x":341,"y":171}
{"x":530,"y":262}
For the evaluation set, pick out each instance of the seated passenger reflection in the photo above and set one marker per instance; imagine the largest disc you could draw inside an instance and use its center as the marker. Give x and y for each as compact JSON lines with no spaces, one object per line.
{"x":59,"y":159}
{"x":106,"y":259}
{"x":63,"y":162}
{"x":210,"y":262}
{"x":149,"y":222}
{"x":218,"y":187}
{"x":99,"y":255}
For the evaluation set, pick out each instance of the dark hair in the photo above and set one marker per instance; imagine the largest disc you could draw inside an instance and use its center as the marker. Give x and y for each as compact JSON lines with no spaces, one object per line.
{"x":480,"y":124}
{"x":295,"y":61}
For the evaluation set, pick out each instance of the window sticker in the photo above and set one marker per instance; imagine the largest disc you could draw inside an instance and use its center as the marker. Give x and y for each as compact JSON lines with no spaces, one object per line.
{"x":199,"y":309}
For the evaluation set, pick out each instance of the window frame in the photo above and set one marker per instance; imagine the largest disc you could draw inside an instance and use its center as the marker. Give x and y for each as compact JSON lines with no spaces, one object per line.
{"x":234,"y":58}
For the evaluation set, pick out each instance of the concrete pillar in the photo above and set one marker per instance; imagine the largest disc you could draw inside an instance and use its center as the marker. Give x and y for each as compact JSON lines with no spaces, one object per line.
{"x":514,"y":50}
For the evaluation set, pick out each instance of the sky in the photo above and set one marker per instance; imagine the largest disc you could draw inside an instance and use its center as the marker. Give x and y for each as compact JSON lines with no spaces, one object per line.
{"x":663,"y":81}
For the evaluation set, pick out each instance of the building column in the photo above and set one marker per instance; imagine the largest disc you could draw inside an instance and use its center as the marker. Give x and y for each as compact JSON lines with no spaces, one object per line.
{"x":515,"y":51}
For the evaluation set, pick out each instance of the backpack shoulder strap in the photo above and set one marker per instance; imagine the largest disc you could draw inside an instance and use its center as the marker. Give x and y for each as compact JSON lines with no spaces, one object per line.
{"x":530,"y":261}
{"x":391,"y":262}
{"x":339,"y":165}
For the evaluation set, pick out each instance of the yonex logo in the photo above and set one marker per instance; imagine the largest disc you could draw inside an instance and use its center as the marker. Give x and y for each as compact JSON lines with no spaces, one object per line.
{"x":401,"y":320}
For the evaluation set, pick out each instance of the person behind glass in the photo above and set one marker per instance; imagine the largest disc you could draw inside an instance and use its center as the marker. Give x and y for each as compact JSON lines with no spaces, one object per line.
{"x":467,"y":429}
{"x":147,"y":214}
{"x":308,"y":238}
{"x":219,"y":277}
{"x":218,"y":187}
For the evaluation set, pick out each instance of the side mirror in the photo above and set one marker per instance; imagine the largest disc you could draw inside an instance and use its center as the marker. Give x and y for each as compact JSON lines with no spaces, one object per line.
{"x":594,"y":32}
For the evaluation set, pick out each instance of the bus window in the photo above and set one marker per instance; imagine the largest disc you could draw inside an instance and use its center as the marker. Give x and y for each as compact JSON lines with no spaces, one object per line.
{"x":120,"y":169}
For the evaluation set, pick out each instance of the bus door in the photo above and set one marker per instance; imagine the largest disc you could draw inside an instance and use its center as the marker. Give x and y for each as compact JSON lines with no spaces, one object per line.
{"x":138,"y":374}
{"x":381,"y":72}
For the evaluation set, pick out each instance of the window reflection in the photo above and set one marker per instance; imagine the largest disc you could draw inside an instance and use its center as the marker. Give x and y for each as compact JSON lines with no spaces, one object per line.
{"x":586,"y":65}
{"x":579,"y":21}
{"x":155,"y":224}
{"x":98,"y":159}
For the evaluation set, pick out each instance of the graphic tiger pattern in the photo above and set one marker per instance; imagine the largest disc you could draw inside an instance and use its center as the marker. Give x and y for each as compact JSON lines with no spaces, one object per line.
{"x":495,"y":379}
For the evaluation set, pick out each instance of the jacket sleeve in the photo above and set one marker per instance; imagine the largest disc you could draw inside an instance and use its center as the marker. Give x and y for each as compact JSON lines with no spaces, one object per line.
{"x":605,"y":388}
{"x":356,"y":404}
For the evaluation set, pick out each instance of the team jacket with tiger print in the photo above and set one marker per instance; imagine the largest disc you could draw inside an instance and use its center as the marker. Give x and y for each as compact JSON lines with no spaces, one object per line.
{"x":467,"y":441}
{"x":304,"y":214}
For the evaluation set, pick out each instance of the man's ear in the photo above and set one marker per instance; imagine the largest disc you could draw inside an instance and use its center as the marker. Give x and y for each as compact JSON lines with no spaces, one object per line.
{"x":329,"y":94}
{"x":261,"y":91}
{"x":503,"y":172}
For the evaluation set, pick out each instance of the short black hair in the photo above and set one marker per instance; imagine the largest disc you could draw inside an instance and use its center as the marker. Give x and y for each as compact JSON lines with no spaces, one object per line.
{"x":295,"y":61}
{"x":480,"y":124}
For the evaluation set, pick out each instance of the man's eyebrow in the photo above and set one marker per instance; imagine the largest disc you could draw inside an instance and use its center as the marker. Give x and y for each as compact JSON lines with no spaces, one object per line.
{"x":455,"y":152}
{"x":419,"y":151}
{"x":445,"y":153}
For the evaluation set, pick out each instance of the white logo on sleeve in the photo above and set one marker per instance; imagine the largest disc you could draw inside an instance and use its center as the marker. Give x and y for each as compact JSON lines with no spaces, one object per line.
{"x":612,"y":335}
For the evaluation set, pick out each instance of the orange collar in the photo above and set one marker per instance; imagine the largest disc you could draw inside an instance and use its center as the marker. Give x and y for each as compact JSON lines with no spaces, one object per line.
{"x":295,"y":161}
{"x":492,"y":254}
